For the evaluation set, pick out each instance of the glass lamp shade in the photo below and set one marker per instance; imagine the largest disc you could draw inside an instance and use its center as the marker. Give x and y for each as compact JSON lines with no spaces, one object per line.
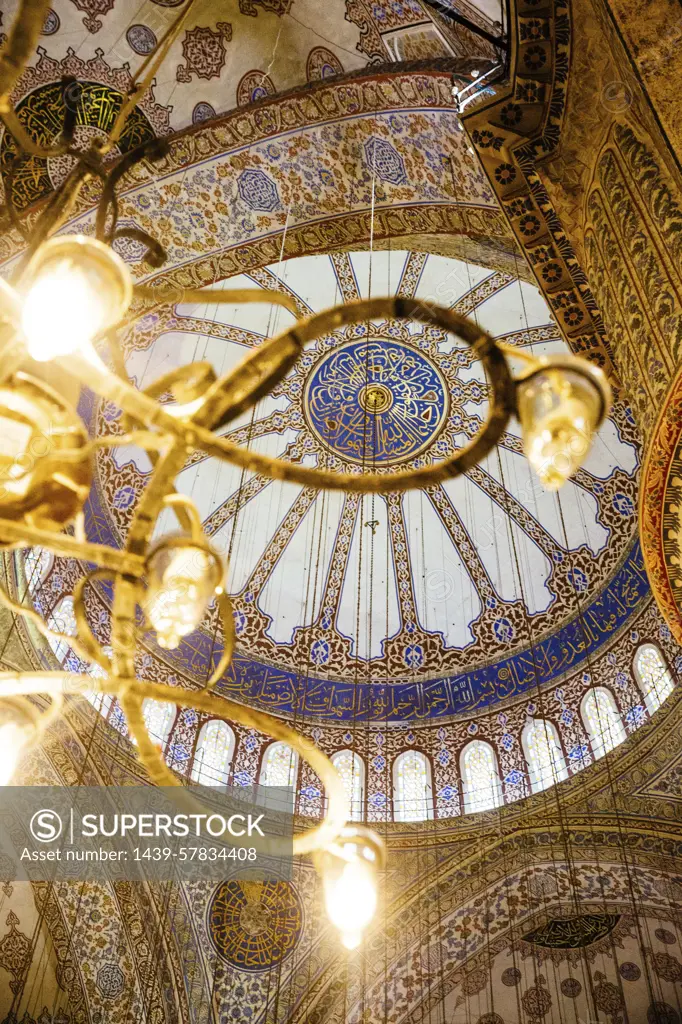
{"x":560,"y":407}
{"x":350,"y":868}
{"x":183,"y":577}
{"x":75,"y":288}
{"x":45,"y":462}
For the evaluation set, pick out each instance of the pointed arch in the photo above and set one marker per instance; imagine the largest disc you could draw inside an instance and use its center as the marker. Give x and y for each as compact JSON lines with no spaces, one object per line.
{"x":159,"y":716}
{"x":37,"y":565}
{"x":653,"y":676}
{"x":544,"y":754}
{"x":602,"y":720}
{"x":102,"y":702}
{"x":351,"y":768}
{"x":412,"y":791}
{"x":213,"y":754}
{"x":480,"y":777}
{"x":280,"y":765}
{"x":62,"y":620}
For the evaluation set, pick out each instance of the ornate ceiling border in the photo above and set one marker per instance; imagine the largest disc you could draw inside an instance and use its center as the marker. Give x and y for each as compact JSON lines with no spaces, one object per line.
{"x":512,"y":134}
{"x":393,"y":88}
{"x":660,"y":509}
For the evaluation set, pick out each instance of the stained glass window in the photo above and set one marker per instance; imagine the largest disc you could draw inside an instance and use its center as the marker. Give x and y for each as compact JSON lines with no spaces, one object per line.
{"x":653,"y":676}
{"x":37,"y":564}
{"x":280,"y":766}
{"x":213,"y":754}
{"x":481,"y":782}
{"x":100,"y":701}
{"x":159,"y":716}
{"x":412,"y":787}
{"x":62,"y":620}
{"x":602,"y":720}
{"x":545,"y":758}
{"x":351,"y":768}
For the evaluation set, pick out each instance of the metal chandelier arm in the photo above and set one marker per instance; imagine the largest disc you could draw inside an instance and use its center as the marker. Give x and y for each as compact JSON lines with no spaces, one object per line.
{"x":163,"y":296}
{"x":133,"y":692}
{"x":23,"y":535}
{"x":136,"y":692}
{"x":263,"y":368}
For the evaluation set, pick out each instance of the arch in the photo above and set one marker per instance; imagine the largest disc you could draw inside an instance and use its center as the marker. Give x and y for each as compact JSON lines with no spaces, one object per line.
{"x":37,"y":565}
{"x":159,"y":716}
{"x":544,"y":754}
{"x":101,"y":702}
{"x":62,"y":620}
{"x":412,"y":791}
{"x":280,"y":765}
{"x":213,"y":753}
{"x":351,"y":768}
{"x":602,"y":720}
{"x":480,"y":777}
{"x":652,"y":675}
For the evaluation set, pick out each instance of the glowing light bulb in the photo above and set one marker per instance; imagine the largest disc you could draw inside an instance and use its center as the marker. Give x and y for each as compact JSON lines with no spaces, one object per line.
{"x":77,"y":288}
{"x":560,"y":408}
{"x":349,"y":869}
{"x":351,"y":900}
{"x":183,"y":578}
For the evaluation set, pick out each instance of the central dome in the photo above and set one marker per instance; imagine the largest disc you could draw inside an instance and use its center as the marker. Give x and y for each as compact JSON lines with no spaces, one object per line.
{"x":348,"y":606}
{"x":376,"y":402}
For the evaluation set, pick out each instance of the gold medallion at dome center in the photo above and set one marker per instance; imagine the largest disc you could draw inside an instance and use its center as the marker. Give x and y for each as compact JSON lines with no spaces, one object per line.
{"x":375,"y":398}
{"x":255,"y":919}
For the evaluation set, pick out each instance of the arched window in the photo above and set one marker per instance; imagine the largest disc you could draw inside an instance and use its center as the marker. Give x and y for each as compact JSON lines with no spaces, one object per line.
{"x":37,"y":564}
{"x":351,"y":768}
{"x":544,"y":756}
{"x":62,"y":620}
{"x":280,"y":766}
{"x":602,"y":720}
{"x":213,"y":754}
{"x":412,"y":787}
{"x":159,"y":716}
{"x":101,"y":702}
{"x":653,"y":676}
{"x":481,"y":781}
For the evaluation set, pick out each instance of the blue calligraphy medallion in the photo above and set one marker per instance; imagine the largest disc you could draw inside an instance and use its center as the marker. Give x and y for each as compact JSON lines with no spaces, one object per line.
{"x":376,"y":402}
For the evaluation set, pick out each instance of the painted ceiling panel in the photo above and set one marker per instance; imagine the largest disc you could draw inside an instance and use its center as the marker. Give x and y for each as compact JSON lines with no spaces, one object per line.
{"x":258,"y":319}
{"x":515,"y":307}
{"x":445,"y":281}
{"x":311,"y":279}
{"x":446,"y":596}
{"x":550,"y":509}
{"x":295,"y":589}
{"x":491,"y":532}
{"x":368,"y":610}
{"x":249,"y":551}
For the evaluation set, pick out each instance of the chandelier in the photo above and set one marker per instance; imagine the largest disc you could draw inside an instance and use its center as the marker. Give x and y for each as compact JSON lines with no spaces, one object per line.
{"x":66,"y":301}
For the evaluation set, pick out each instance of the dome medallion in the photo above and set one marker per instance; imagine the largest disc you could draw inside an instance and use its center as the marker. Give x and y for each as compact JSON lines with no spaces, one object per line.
{"x":376,"y":402}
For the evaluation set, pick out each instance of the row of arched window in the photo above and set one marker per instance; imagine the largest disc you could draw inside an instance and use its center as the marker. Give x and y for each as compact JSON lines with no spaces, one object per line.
{"x":482,"y":787}
{"x":412,"y":786}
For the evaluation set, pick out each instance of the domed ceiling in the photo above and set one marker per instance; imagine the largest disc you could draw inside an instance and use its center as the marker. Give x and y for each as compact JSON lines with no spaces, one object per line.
{"x":391,"y":608}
